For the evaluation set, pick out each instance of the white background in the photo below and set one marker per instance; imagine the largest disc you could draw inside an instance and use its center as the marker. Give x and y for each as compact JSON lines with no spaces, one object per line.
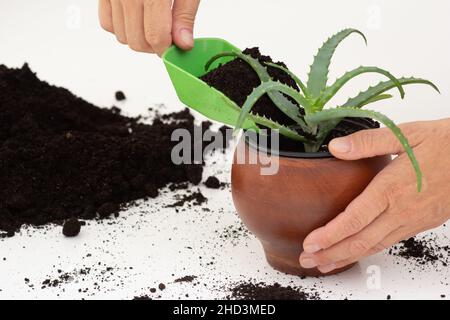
{"x":63,"y":43}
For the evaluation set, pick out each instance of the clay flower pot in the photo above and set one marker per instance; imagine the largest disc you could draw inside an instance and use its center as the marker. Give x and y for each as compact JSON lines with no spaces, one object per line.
{"x":308,"y":191}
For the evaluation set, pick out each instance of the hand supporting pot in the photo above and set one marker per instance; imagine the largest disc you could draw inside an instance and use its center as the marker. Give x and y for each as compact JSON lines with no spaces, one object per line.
{"x":390,"y":209}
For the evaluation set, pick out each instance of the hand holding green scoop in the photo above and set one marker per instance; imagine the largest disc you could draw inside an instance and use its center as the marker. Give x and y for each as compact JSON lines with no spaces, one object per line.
{"x":185,"y":68}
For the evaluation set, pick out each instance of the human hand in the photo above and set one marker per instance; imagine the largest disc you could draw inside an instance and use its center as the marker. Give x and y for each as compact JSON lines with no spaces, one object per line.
{"x":150,"y":25}
{"x":390,"y":209}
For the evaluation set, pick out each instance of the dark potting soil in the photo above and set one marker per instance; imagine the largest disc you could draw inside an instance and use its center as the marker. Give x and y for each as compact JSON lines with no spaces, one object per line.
{"x":72,"y":227}
{"x":185,"y":279}
{"x":245,"y":290}
{"x":213,"y":183}
{"x":263,"y":291}
{"x":422,"y":251}
{"x":62,"y":157}
{"x":234,"y":233}
{"x":196,"y":198}
{"x":236,"y":79}
{"x":161,"y":286}
{"x":120,"y":96}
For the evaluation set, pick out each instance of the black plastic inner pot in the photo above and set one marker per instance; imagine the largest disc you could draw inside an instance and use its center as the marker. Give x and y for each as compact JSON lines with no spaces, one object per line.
{"x":252,"y":139}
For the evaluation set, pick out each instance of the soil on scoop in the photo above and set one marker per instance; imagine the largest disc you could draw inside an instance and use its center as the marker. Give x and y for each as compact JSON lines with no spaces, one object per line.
{"x":236,"y":79}
{"x":62,"y":157}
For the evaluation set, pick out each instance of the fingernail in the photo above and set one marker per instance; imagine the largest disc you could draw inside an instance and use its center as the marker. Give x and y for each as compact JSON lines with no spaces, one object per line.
{"x":341,"y":145}
{"x":308,"y":263}
{"x":187,"y":37}
{"x":327,"y":268}
{"x":311,"y":248}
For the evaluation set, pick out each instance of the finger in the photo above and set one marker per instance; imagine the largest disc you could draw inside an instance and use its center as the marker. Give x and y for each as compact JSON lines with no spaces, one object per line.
{"x":375,"y":142}
{"x":393,"y":238}
{"x":118,"y":21}
{"x":358,"y":214}
{"x":158,"y":24}
{"x":134,"y":26}
{"x":184,"y":12}
{"x":357,"y":246}
{"x":105,"y":15}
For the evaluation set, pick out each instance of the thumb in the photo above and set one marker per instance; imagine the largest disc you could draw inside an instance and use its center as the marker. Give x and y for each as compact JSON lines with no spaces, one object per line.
{"x":184,"y":12}
{"x":371,"y":143}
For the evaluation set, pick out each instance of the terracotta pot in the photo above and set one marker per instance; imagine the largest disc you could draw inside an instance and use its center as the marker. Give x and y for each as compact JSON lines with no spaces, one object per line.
{"x":308,"y":191}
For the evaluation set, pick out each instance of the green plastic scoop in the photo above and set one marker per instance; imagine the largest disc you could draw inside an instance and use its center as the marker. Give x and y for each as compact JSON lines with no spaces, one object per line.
{"x":185,"y":68}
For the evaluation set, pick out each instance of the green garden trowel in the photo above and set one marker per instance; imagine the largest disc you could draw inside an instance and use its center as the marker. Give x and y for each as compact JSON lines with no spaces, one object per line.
{"x":185,"y":68}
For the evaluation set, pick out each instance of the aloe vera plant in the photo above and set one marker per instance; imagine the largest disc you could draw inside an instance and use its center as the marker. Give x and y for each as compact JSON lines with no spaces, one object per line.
{"x":313,"y":121}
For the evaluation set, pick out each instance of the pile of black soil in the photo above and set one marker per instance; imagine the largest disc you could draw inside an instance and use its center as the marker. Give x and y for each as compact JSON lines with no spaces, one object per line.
{"x":236,"y":79}
{"x":263,"y":291}
{"x":62,"y":157}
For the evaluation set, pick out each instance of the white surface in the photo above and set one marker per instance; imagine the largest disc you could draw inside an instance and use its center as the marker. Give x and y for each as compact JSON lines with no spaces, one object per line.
{"x":406,"y":37}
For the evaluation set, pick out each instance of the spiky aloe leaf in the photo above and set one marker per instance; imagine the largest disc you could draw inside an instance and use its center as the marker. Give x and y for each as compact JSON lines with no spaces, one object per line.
{"x":340,"y":113}
{"x":318,"y":75}
{"x":285,"y":131}
{"x":280,"y":101}
{"x":363,"y":98}
{"x":326,"y":127}
{"x":381,"y":97}
{"x":268,"y":123}
{"x":331,"y":91}
{"x":261,"y":90}
{"x":292,"y":75}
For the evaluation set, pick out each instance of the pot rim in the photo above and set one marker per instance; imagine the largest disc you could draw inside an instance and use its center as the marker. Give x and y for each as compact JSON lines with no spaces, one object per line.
{"x":250,"y":141}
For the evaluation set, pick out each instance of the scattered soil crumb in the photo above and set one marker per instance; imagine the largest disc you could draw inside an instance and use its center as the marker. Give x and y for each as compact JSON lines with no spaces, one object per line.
{"x":196,"y":199}
{"x":422,"y":251}
{"x":214,"y":183}
{"x":234,"y":233}
{"x":185,"y":279}
{"x":71,"y":227}
{"x":64,"y":277}
{"x":120,"y":96}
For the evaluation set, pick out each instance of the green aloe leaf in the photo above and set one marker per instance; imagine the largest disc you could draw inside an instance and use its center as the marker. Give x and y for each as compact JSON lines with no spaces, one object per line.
{"x":282,"y":103}
{"x":318,"y":75}
{"x":326,"y":127}
{"x":331,"y":91}
{"x":373,"y":94}
{"x":292,"y":75}
{"x":341,"y":113}
{"x":264,"y":88}
{"x":365,"y":97}
{"x":268,"y":123}
{"x":381,"y":97}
